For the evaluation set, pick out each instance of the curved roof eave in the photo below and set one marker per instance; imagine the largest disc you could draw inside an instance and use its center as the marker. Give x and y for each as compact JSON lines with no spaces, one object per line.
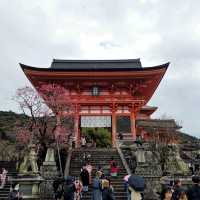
{"x":26,"y":67}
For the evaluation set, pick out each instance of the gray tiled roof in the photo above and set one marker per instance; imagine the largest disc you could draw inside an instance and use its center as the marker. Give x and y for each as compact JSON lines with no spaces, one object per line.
{"x":96,"y":64}
{"x":158,"y":123}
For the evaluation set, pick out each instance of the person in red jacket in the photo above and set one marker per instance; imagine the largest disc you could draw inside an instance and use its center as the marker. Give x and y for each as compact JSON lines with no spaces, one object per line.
{"x":113,"y":167}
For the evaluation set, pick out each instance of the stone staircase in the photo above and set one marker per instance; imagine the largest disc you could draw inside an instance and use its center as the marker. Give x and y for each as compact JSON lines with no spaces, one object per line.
{"x":10,"y":167}
{"x":99,"y":157}
{"x":127,"y":138}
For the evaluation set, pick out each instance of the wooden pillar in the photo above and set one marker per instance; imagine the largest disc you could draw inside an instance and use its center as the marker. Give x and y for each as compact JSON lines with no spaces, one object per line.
{"x":133,"y":123}
{"x":76,"y":127}
{"x":114,"y":123}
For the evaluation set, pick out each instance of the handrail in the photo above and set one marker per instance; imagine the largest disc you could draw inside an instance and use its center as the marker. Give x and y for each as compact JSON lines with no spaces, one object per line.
{"x":125,"y":164}
{"x":69,"y":155}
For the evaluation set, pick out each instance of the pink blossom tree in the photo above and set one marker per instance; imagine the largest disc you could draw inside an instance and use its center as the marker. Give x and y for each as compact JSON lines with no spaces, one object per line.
{"x":46,"y":110}
{"x":55,"y":97}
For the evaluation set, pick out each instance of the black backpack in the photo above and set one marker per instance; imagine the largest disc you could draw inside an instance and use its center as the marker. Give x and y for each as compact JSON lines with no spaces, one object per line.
{"x":194,"y":193}
{"x":68,"y":191}
{"x":108,"y":194}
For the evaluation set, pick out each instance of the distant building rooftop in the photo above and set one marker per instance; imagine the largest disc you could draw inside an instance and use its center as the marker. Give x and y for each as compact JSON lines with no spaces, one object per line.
{"x":158,"y":123}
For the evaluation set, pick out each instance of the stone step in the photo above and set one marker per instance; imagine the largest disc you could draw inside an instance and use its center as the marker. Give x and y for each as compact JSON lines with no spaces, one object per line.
{"x":99,"y":157}
{"x":120,"y":174}
{"x":95,"y":157}
{"x":10,"y":167}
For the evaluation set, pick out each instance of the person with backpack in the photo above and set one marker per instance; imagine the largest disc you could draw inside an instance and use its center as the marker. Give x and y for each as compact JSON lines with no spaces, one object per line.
{"x":96,"y":187}
{"x":194,"y":192}
{"x":107,"y":190}
{"x":69,"y":189}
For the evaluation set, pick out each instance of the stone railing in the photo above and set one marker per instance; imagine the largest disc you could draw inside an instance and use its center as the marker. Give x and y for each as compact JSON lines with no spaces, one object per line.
{"x":125,"y":164}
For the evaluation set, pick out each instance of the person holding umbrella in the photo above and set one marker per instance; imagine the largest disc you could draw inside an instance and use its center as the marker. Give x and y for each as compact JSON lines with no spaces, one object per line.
{"x":134,"y":194}
{"x":136,"y":186}
{"x":126,"y":186}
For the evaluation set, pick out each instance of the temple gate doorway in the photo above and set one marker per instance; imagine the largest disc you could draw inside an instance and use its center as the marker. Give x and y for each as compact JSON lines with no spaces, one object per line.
{"x":123,"y":127}
{"x":97,"y":130}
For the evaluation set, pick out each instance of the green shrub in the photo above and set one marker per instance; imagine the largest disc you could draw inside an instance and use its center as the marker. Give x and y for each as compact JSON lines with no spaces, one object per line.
{"x":102,"y":136}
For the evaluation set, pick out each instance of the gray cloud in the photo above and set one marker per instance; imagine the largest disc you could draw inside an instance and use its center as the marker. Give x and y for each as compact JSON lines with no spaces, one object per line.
{"x":34,"y":32}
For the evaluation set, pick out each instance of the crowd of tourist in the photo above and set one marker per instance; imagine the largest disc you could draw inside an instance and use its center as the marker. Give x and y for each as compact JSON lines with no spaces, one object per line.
{"x":101,"y":185}
{"x":102,"y":188}
{"x":74,"y":188}
{"x":177,"y":192}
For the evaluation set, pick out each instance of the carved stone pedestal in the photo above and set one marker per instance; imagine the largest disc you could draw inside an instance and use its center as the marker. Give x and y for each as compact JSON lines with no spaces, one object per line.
{"x":49,"y":173}
{"x":29,"y":186}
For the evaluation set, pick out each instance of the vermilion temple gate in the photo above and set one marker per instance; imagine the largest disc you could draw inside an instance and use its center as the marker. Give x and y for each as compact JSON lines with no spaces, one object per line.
{"x":103,"y":88}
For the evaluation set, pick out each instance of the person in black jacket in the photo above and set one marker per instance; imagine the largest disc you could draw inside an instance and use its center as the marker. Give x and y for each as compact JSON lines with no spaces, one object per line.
{"x":58,"y":188}
{"x":194,"y":192}
{"x":69,"y":189}
{"x":107,"y":190}
{"x":177,"y":189}
{"x":84,"y":175}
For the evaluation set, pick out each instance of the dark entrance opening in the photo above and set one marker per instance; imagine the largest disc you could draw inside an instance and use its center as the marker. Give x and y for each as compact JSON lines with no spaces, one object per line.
{"x":123,"y":126}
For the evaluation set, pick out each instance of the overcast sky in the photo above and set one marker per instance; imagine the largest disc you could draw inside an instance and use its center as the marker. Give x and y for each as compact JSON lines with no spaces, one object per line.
{"x":157,"y":31}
